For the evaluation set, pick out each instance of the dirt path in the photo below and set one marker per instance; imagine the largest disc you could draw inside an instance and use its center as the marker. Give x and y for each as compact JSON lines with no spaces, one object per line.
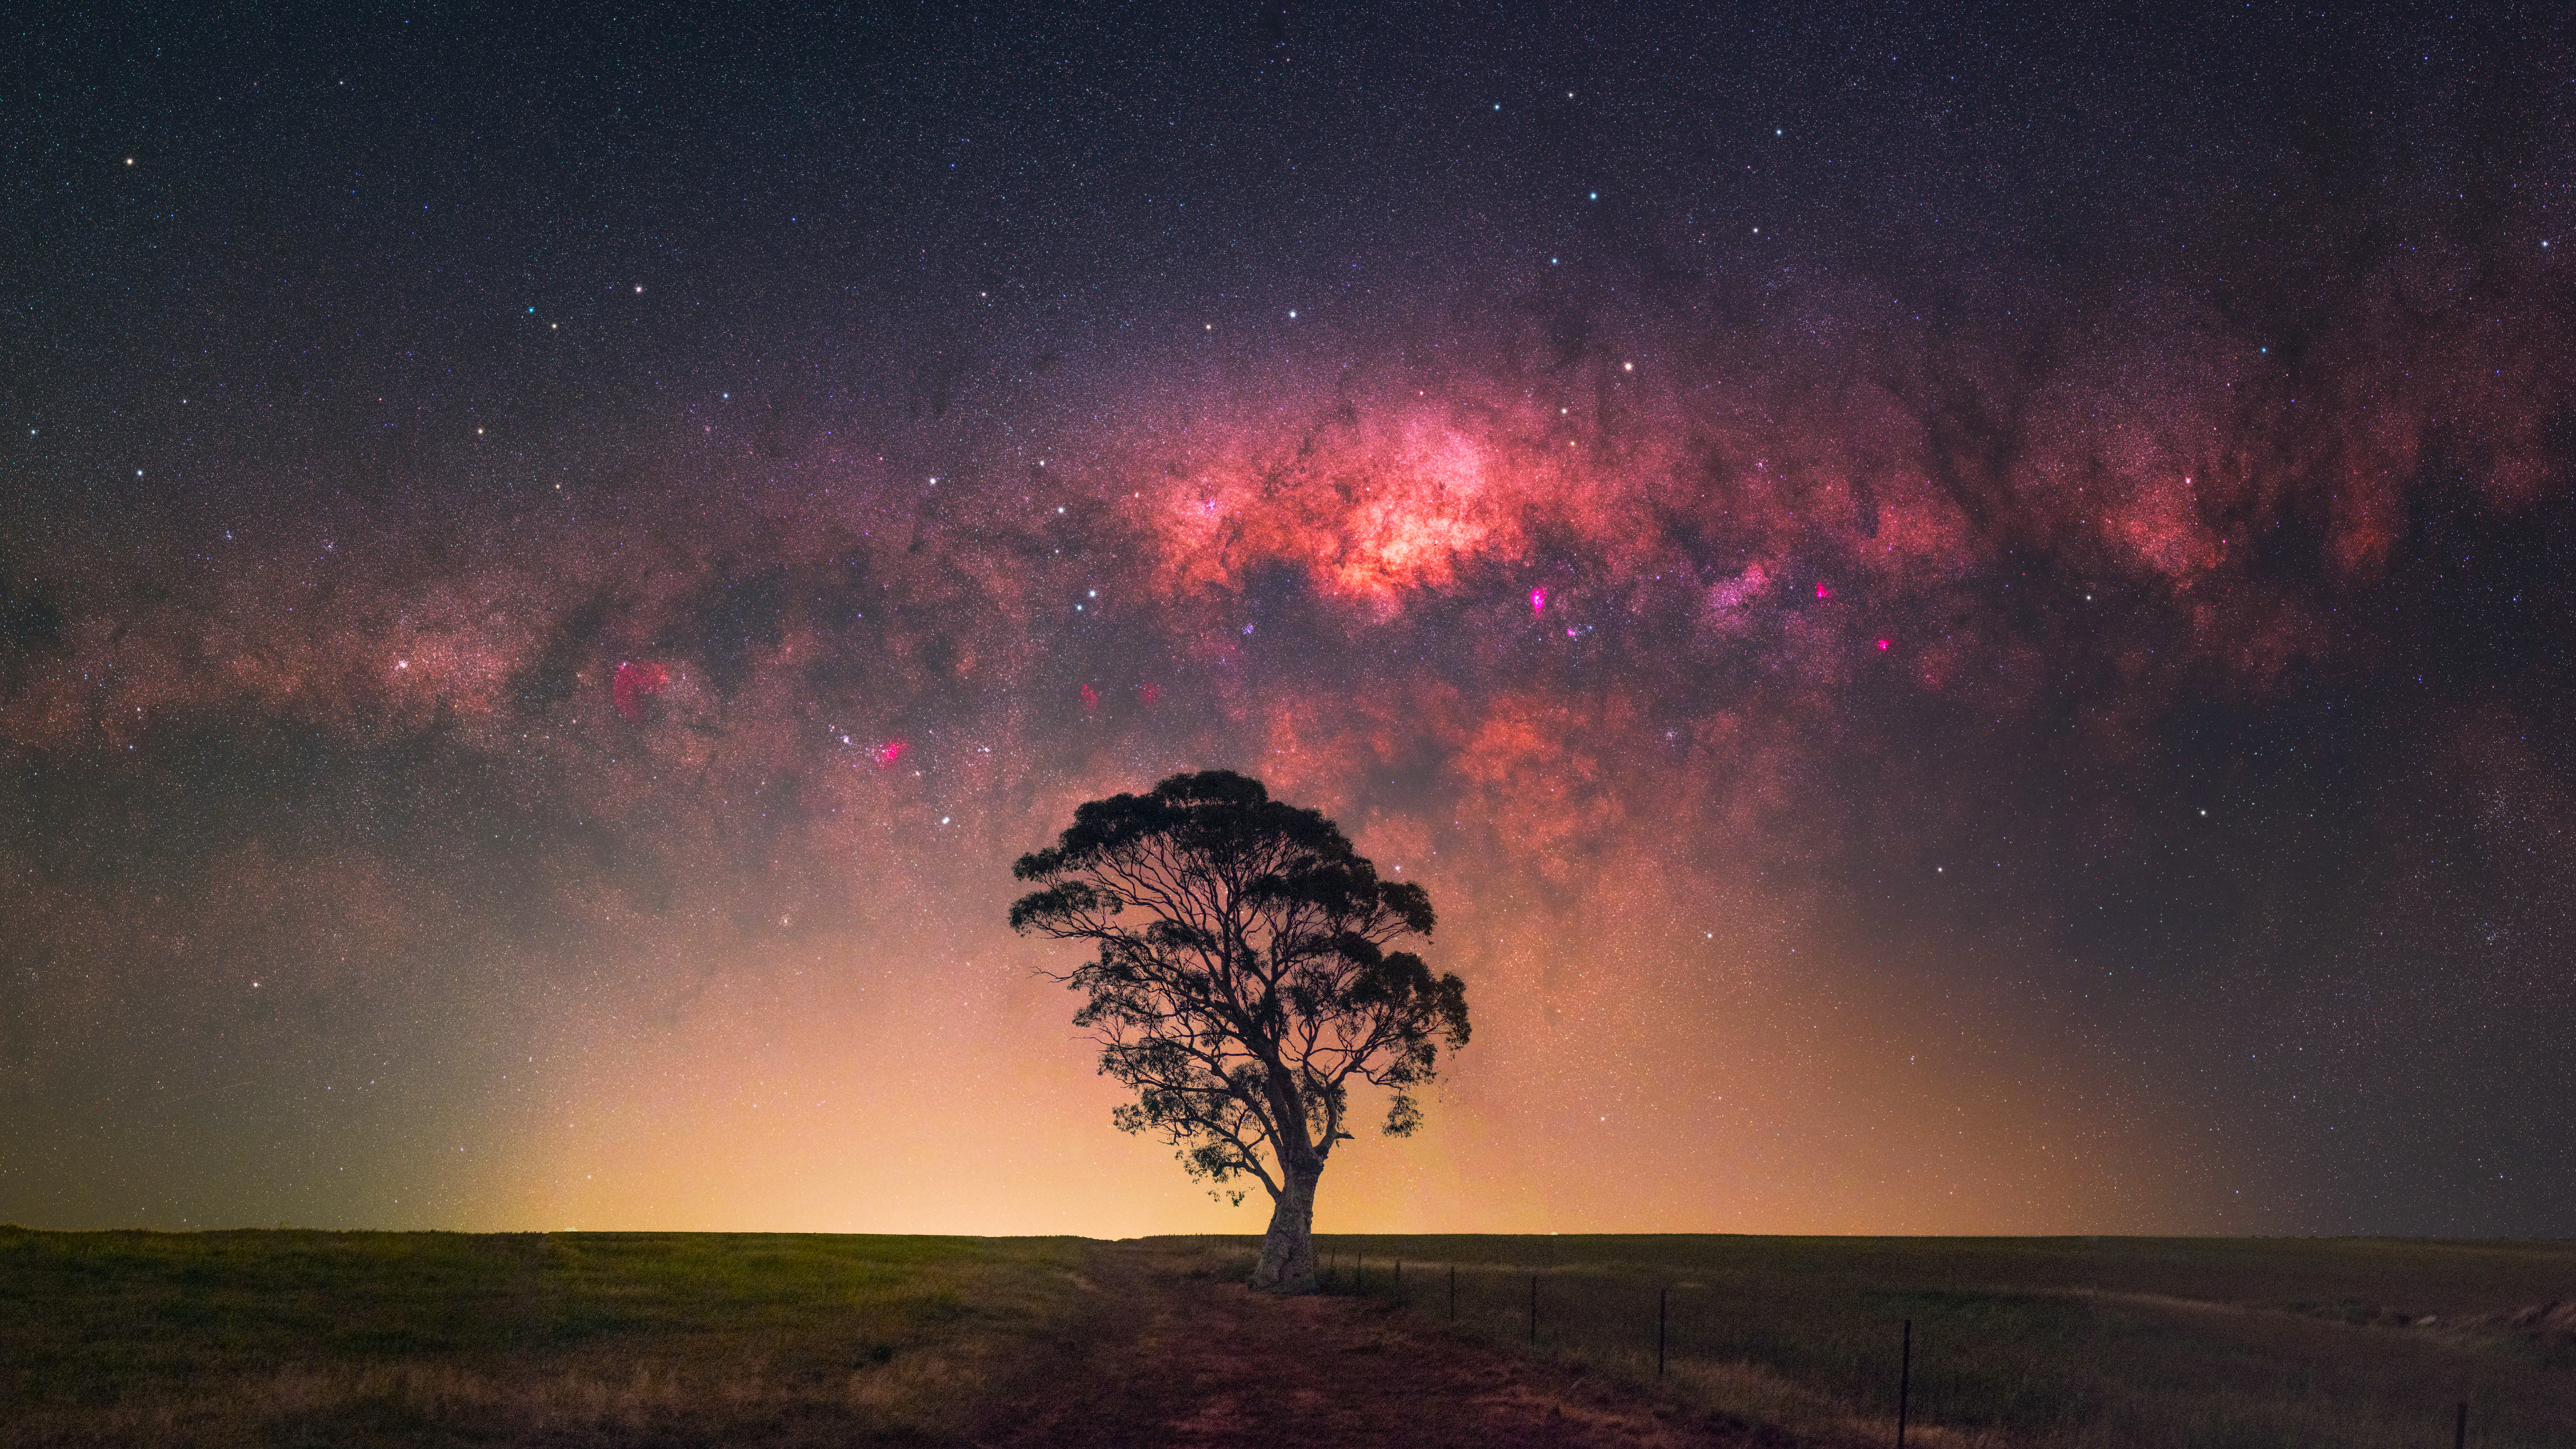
{"x":1176,"y":1360}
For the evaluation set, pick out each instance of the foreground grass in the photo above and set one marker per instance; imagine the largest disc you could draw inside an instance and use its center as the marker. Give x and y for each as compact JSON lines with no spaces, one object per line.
{"x":292,"y":1338}
{"x":307,"y":1338}
{"x":2087,"y":1343}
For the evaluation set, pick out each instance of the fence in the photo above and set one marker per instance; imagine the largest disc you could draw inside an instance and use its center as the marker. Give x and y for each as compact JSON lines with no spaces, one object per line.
{"x":2041,"y":1369}
{"x":1622,"y":1322}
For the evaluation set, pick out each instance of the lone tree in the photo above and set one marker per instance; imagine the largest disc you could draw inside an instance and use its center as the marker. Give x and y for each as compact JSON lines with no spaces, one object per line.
{"x":1242,"y":981}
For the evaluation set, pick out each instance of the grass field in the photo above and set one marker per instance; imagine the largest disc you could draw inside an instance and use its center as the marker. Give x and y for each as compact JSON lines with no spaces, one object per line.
{"x":294,"y":1338}
{"x":2211,"y":1343}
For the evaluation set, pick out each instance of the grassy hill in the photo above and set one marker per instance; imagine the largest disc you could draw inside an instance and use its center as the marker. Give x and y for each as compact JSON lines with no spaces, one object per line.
{"x":2205,"y":1342}
{"x":297,"y":1337}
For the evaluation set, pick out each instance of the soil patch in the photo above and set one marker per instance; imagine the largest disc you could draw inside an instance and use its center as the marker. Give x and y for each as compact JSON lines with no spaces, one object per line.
{"x":1180,"y":1357}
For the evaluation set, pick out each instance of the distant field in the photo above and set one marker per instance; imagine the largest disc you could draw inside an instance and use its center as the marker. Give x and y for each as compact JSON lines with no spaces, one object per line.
{"x":2210,"y":1343}
{"x":294,"y":1338}
{"x":312,"y":1338}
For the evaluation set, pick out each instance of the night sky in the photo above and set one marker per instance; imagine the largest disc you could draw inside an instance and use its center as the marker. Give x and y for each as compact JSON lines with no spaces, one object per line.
{"x":1965,"y":617}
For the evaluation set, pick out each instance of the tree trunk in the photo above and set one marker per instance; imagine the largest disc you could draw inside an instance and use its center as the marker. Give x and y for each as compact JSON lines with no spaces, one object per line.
{"x":1288,"y":1249}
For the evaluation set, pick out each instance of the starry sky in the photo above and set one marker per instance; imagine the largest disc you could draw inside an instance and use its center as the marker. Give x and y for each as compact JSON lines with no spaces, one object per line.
{"x":1964,"y":615}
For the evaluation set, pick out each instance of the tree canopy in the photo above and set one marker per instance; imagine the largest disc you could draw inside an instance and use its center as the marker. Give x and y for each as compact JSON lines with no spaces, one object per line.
{"x":1242,"y":981}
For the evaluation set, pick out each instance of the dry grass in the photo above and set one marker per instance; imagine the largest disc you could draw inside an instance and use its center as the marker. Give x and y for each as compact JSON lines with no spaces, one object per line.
{"x":294,"y":1338}
{"x":429,"y":1338}
{"x":342,"y":1403}
{"x":2068,"y":1343}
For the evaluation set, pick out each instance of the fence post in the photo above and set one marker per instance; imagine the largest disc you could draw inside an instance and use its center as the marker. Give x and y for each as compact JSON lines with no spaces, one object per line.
{"x":1533,"y":1308}
{"x":1453,"y":1293}
{"x":1662,"y":1298}
{"x":2460,"y":1428}
{"x":1904,"y":1382}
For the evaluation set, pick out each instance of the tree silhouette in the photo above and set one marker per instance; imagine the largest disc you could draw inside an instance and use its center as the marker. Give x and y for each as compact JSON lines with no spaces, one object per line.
{"x":1242,"y":981}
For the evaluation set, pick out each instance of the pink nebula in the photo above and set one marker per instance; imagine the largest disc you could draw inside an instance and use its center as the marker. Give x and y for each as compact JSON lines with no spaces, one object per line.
{"x":1538,"y":601}
{"x":891,"y":751}
{"x":636,"y":683}
{"x":1090,"y":697}
{"x":1823,"y":593}
{"x":1882,"y":643}
{"x":1151,"y":692}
